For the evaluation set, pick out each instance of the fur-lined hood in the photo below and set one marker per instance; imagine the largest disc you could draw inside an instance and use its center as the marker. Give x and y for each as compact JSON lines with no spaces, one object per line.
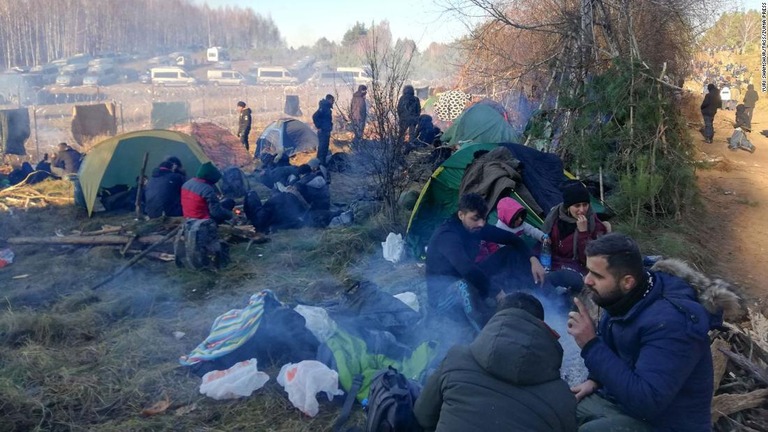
{"x":716,"y":295}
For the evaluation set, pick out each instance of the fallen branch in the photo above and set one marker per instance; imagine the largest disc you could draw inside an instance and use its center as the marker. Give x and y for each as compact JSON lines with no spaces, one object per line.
{"x":138,"y":257}
{"x":719,"y":360}
{"x":727,"y":404}
{"x":83,"y":240}
{"x":744,"y":363}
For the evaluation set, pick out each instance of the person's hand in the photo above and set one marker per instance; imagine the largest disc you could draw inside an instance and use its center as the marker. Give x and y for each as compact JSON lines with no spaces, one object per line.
{"x":581,"y":223}
{"x":537,"y":271}
{"x":580,"y":324}
{"x":584,"y":389}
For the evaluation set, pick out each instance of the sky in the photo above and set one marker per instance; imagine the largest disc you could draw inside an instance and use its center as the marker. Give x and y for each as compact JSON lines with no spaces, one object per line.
{"x":303,"y":22}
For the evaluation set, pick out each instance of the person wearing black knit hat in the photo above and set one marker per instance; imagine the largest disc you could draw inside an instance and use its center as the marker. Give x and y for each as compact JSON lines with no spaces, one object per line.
{"x":570,"y":226}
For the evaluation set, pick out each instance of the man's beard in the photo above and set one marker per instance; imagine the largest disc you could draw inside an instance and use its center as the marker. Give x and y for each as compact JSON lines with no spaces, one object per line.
{"x":608,"y":299}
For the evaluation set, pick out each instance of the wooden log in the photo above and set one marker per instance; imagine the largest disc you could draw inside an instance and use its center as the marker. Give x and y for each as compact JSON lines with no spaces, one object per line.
{"x":86,"y":240}
{"x":138,"y":257}
{"x":727,"y":404}
{"x":719,"y":360}
{"x":104,"y":230}
{"x":744,"y":363}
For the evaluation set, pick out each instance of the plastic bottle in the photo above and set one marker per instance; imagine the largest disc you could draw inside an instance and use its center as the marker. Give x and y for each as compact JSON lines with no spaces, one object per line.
{"x":545,"y":257}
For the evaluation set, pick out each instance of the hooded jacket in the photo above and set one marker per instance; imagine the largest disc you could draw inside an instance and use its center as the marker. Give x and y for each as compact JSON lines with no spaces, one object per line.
{"x":198,"y":196}
{"x":655,"y":360}
{"x":508,"y":379}
{"x":408,"y":107}
{"x":163,"y":193}
{"x":711,"y":103}
{"x":358,"y":111}
{"x":244,"y":122}
{"x":323,"y":117}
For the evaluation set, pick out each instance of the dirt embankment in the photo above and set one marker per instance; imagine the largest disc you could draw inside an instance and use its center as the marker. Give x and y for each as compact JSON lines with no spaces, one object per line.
{"x":735,"y":198}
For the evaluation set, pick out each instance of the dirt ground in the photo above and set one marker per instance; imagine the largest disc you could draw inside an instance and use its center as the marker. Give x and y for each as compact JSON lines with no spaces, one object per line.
{"x":735,"y":195}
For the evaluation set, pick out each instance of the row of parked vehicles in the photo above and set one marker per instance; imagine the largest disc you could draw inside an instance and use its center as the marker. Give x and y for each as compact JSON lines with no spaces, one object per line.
{"x":278,"y":76}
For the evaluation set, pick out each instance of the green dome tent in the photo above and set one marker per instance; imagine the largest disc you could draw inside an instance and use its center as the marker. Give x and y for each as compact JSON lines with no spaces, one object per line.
{"x":481,"y":123}
{"x":118,"y":160}
{"x":439,"y":198}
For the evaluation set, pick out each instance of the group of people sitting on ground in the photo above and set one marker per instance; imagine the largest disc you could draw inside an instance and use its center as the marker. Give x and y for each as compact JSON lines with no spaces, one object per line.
{"x":648,"y":359}
{"x":64,"y":162}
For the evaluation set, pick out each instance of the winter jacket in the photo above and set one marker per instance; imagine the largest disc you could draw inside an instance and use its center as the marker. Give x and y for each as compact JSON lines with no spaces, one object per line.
{"x":751,"y":97}
{"x":68,"y":160}
{"x":199,"y":201}
{"x":358,"y":109}
{"x":163,"y":193}
{"x":323,"y":117}
{"x":408,"y":107}
{"x":244,"y":122}
{"x":711,"y":103}
{"x":451,"y":257}
{"x":507,"y":379}
{"x":315,"y":191}
{"x":568,"y":250}
{"x":655,"y":360}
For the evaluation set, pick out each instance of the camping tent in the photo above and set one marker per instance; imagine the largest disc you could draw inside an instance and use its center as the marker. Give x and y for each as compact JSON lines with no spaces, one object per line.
{"x":480,"y":123}
{"x":542,"y":175}
{"x":286,"y":136}
{"x":117,"y":160}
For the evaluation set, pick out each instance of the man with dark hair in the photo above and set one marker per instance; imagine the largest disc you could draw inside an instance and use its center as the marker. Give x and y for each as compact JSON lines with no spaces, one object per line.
{"x":709,"y":108}
{"x":323,"y":121}
{"x":358,"y":112}
{"x":650,"y":366}
{"x":458,"y":286}
{"x":244,"y":124}
{"x":508,"y":378}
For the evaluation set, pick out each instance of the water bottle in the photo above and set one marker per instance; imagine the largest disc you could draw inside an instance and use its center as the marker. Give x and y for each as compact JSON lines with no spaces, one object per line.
{"x":545,"y":257}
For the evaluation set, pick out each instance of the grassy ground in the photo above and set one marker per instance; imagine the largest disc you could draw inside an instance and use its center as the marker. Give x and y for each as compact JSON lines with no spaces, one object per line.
{"x":72,"y":358}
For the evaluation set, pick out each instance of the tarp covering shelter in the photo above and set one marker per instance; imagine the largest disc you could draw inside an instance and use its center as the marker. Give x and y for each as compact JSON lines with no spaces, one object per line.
{"x":449,"y":105}
{"x":14,"y":131}
{"x":288,"y":136}
{"x":117,"y":160}
{"x":481,"y":123}
{"x":90,"y":121}
{"x":542,"y":175}
{"x":166,"y":114}
{"x":219,"y":144}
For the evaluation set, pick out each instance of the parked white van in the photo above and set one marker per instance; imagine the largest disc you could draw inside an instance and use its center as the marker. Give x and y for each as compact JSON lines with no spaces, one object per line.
{"x":275,"y":76}
{"x":226,"y":77}
{"x":170,"y":76}
{"x":354,"y":75}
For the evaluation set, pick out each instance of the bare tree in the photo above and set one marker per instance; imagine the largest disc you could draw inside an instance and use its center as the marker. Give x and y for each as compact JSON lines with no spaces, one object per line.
{"x":382,"y":157}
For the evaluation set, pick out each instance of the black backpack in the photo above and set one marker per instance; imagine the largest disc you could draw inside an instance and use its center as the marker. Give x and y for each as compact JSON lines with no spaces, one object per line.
{"x":390,"y":403}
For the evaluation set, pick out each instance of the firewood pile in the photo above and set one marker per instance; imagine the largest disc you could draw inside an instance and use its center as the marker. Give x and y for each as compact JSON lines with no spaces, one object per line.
{"x":24,"y":196}
{"x":137,"y":238}
{"x":740,"y":358}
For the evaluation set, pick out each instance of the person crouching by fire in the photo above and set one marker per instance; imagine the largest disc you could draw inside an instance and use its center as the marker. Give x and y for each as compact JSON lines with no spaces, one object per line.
{"x":202,"y":213}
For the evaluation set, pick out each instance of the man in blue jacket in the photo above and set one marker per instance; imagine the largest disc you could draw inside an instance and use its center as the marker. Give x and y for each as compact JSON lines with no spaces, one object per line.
{"x":457,"y":285}
{"x":650,"y":366}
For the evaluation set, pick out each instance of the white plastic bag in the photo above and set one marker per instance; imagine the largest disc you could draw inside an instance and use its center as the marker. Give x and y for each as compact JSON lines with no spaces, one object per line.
{"x":394,"y":248}
{"x":410,"y":299}
{"x":6,"y":257}
{"x":240,"y":380}
{"x":304,"y":380}
{"x":318,"y":321}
